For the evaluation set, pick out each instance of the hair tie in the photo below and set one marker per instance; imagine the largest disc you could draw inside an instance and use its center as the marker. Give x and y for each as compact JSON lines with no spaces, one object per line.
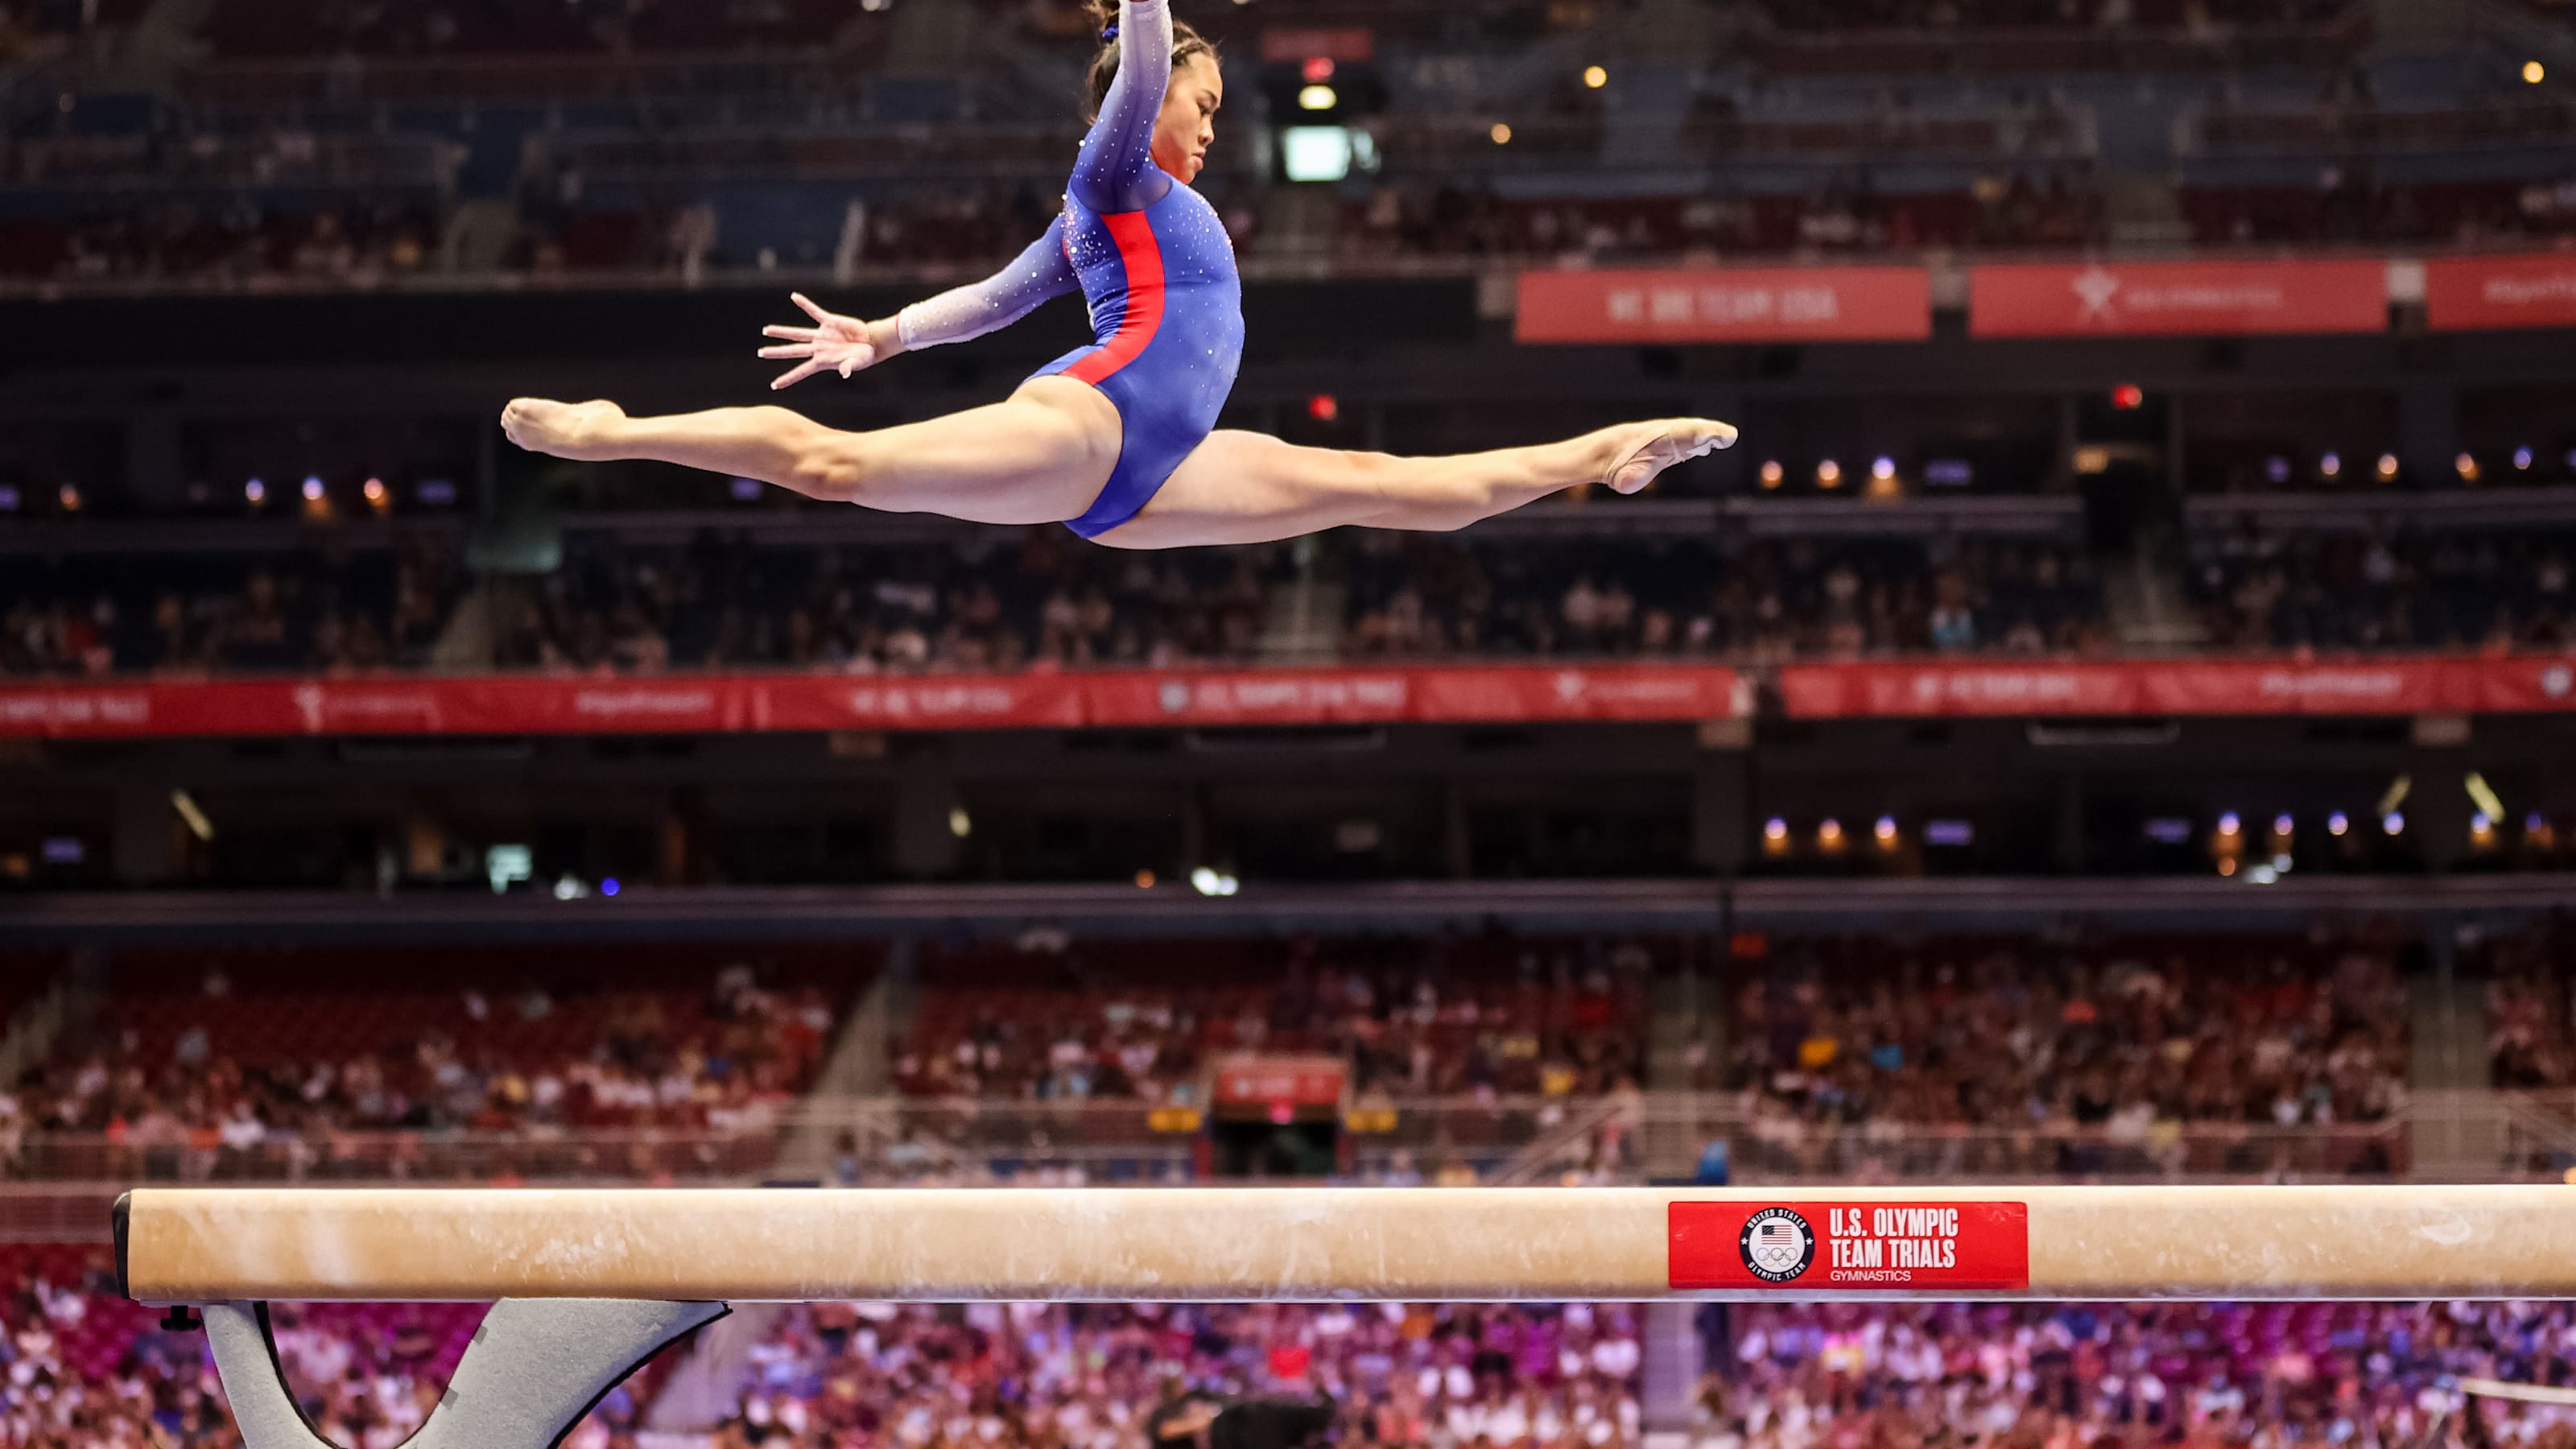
{"x":1109,"y":36}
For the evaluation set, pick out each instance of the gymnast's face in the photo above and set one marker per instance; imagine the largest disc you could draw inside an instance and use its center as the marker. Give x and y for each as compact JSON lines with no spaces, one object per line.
{"x":1188,"y":125}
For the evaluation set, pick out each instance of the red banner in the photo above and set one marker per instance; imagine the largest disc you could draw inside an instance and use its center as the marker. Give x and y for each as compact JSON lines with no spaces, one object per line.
{"x":1278,"y":1082}
{"x":1829,"y":1247}
{"x":1811,"y":304}
{"x":2466,"y":294}
{"x":2221,"y":687}
{"x":808,"y":703}
{"x":2213,"y":298}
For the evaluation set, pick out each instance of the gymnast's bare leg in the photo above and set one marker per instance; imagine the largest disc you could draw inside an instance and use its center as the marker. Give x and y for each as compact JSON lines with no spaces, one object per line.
{"x":1046,"y":454}
{"x":1041,"y":457}
{"x":1249,"y":488}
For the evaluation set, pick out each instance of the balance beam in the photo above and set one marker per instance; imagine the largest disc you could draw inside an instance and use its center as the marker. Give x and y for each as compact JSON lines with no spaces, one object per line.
{"x":1318,"y":1244}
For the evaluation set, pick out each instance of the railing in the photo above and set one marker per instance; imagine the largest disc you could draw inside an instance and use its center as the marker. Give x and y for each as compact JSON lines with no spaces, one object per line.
{"x":2060,"y":48}
{"x":1524,"y":1139}
{"x":2339,"y":130}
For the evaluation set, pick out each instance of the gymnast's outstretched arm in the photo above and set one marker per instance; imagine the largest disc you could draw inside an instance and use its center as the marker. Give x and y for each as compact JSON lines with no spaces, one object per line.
{"x":1117,"y":172}
{"x":846,"y":345}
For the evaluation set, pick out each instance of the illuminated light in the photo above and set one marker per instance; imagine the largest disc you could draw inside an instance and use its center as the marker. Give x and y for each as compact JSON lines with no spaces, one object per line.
{"x":377,"y":493}
{"x":1203,"y":880}
{"x":2282,"y":863}
{"x":8,"y":498}
{"x":1887,"y":834}
{"x":1829,"y":837}
{"x":2229,"y":824}
{"x":960,"y":824}
{"x":1318,"y":98}
{"x":255,"y":491}
{"x":2467,"y":467}
{"x":2388,"y":465}
{"x":2522,"y":460}
{"x":2330,"y":466}
{"x":610,"y":887}
{"x":1773,"y":475}
{"x":2339,"y":826}
{"x":2276,"y":470}
{"x":1144,"y":880}
{"x":1594,"y":77}
{"x":2534,"y":824}
{"x":1502,"y":134}
{"x":2092,"y":460}
{"x":2227,"y":865}
{"x":570,"y":888}
{"x":312,"y":490}
{"x":1323,"y":407}
{"x":2481,"y":830}
{"x":69,"y":497}
{"x":2284,"y":825}
{"x":1319,"y":69}
{"x":2533,"y":72}
{"x":2394,"y":824}
{"x":1829,"y":474}
{"x":2128,"y":397}
{"x":1776,"y":829}
{"x":2262,"y":875}
{"x":1884,"y":470}
{"x":191,"y":816}
{"x":2483,"y":796}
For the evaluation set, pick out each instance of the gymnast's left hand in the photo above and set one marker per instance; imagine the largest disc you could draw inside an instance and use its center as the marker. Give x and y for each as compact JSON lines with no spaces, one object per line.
{"x":834,"y":343}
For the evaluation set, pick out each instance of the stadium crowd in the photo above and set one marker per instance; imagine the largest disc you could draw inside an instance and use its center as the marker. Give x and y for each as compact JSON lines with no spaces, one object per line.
{"x":315,"y":612}
{"x":1483,"y":1017}
{"x":1764,"y":602}
{"x":1953,"y":1049}
{"x":2494,"y":592}
{"x":2204,"y":1376}
{"x":1023,"y":1376}
{"x":224,"y":1082}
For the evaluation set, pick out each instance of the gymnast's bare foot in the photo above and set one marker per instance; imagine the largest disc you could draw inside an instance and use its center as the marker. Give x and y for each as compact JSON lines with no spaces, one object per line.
{"x":1645,"y":450}
{"x":582,"y":432}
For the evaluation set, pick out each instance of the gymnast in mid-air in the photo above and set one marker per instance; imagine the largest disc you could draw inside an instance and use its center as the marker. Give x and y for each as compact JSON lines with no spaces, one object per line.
{"x":1118,"y":440}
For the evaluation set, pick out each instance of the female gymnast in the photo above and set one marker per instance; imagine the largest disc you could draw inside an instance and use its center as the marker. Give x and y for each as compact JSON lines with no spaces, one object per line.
{"x":1117,"y":440}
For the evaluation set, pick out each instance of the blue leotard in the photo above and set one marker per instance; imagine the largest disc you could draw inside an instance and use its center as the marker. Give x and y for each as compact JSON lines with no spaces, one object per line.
{"x":1157,"y":269}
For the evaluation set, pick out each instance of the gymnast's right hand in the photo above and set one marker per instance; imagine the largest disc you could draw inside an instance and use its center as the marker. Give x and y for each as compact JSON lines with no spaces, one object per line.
{"x":833,"y":344}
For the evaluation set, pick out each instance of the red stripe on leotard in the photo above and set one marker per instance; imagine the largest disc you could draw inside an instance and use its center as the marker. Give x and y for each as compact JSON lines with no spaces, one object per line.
{"x":1143,"y":257}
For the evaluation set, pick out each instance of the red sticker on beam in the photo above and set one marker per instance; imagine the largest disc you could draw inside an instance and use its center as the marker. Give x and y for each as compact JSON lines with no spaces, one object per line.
{"x":1848,"y":1247}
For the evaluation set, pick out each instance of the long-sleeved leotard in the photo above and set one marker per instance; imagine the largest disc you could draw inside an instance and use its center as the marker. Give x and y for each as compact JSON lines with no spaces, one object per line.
{"x":1156,"y":267}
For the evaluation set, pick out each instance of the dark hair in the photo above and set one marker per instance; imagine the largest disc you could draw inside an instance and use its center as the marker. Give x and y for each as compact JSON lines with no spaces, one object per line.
{"x":1187,"y":45}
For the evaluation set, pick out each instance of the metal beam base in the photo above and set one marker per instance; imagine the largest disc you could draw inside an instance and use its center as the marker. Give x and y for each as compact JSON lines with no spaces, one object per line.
{"x":536,"y":1369}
